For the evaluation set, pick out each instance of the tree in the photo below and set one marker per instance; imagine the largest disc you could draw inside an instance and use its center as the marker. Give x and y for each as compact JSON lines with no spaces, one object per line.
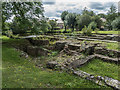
{"x":93,"y":25}
{"x":19,"y":26}
{"x":25,"y":14}
{"x":65,"y":24}
{"x":71,"y":20}
{"x":112,"y":10}
{"x":53,"y":24}
{"x":83,"y":20}
{"x":86,"y":12}
{"x":116,"y":23}
{"x":97,"y":20}
{"x":63,"y":15}
{"x":102,"y":15}
{"x":111,"y":15}
{"x":87,"y":31}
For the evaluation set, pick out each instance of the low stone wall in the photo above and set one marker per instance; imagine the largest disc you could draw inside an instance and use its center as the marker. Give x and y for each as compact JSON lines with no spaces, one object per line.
{"x":108,"y":59}
{"x":80,"y":62}
{"x":52,"y":65}
{"x":102,"y":37}
{"x":108,"y":52}
{"x":89,"y":50}
{"x":104,"y":81}
{"x":36,"y":51}
{"x":74,"y":47}
{"x":38,"y":42}
{"x":112,"y":37}
{"x":59,"y":45}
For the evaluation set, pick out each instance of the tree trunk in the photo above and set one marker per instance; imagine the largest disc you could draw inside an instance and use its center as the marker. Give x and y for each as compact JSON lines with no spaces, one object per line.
{"x":73,"y":28}
{"x":65,"y":28}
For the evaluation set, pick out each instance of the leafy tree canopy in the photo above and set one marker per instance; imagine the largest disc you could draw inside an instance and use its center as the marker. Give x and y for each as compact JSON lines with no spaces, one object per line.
{"x":71,"y":20}
{"x":26,"y":15}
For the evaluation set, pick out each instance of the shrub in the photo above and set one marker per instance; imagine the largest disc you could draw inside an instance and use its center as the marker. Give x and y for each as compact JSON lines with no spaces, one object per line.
{"x":9,"y":33}
{"x":93,"y":25}
{"x":87,"y":31}
{"x":116,"y":23}
{"x":96,"y":30}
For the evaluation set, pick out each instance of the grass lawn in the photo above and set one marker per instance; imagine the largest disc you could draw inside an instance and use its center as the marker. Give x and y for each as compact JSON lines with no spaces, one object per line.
{"x":99,"y":67}
{"x":108,"y":32}
{"x":18,"y":72}
{"x":101,"y":32}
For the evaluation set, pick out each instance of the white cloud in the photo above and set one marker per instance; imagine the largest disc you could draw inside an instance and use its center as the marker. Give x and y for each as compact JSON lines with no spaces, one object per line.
{"x":55,"y":8}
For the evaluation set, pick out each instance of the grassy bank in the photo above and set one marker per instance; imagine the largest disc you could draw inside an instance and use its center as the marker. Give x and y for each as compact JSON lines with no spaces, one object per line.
{"x":99,"y":67}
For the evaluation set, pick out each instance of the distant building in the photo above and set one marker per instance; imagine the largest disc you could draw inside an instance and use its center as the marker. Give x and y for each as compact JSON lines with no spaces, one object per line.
{"x":60,"y":23}
{"x":103,"y":19}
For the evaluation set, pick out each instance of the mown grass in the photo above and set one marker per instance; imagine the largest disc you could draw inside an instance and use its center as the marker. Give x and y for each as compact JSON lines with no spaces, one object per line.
{"x":108,"y":32}
{"x":99,"y":67}
{"x":18,"y":72}
{"x":101,"y":32}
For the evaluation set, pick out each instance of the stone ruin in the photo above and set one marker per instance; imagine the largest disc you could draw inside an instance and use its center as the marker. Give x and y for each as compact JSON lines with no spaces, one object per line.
{"x":74,"y":50}
{"x":93,"y":50}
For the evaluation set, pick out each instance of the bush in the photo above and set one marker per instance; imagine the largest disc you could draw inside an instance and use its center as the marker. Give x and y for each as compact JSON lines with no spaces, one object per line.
{"x":96,"y":30}
{"x":87,"y":31}
{"x":93,"y":25}
{"x":9,"y":33}
{"x":116,"y":23}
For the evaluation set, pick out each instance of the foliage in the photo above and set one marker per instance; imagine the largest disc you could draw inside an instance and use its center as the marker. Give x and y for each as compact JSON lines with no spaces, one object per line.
{"x":20,"y":26}
{"x":9,"y":33}
{"x":65,"y":24}
{"x":45,"y":26}
{"x":26,"y":15}
{"x":86,"y":12}
{"x":97,"y":20}
{"x":87,"y":31}
{"x":83,"y":20}
{"x":116,"y":23}
{"x":102,"y":15}
{"x":71,"y":20}
{"x":96,"y":30}
{"x":53,"y":24}
{"x":63,"y":15}
{"x":112,"y":9}
{"x":93,"y":25}
{"x":111,"y":15}
{"x":5,"y":26}
{"x":108,"y":25}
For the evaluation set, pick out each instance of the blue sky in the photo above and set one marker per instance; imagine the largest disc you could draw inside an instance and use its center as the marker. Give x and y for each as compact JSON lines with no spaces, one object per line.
{"x":54,"y":8}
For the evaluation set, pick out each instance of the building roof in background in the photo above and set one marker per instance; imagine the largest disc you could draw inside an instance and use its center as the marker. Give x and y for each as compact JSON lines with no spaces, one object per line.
{"x":103,"y":19}
{"x":59,"y":21}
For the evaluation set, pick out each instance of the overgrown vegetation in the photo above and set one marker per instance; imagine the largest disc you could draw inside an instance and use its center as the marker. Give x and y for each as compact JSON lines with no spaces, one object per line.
{"x":87,"y":31}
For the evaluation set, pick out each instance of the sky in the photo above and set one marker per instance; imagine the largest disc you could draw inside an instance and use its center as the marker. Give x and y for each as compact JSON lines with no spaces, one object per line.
{"x":54,"y":8}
